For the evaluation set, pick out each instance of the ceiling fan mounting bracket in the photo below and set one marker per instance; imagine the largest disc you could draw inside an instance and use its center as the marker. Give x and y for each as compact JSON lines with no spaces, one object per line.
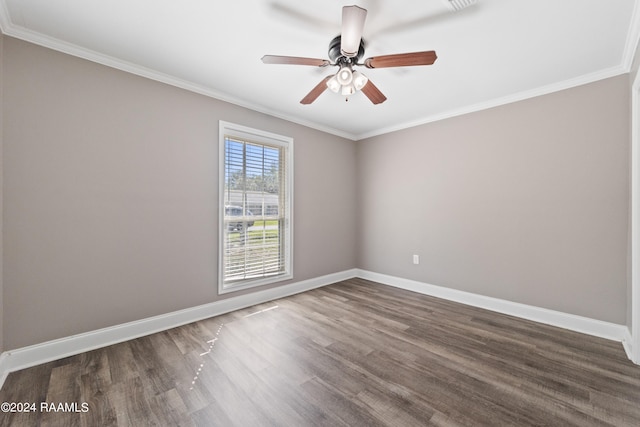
{"x":338,"y":58}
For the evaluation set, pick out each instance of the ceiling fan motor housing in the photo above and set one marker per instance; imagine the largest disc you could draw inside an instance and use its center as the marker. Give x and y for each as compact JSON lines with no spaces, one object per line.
{"x":336,"y":55}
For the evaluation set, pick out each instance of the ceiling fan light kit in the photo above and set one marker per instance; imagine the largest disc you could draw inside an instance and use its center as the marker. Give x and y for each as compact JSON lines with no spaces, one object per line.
{"x":345,"y":52}
{"x":347,"y":82}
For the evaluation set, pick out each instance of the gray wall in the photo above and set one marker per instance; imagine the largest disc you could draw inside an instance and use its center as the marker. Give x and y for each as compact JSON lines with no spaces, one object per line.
{"x":527,"y":202}
{"x":111,"y":189}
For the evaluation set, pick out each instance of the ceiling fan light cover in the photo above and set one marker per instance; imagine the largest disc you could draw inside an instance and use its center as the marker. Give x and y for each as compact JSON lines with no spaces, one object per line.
{"x":348,"y":90}
{"x":359,"y":80}
{"x":344,"y":76}
{"x":333,"y":84}
{"x":353,"y":18}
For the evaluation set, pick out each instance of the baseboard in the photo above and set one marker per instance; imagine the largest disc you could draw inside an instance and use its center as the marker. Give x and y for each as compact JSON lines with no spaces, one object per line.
{"x":25,"y":357}
{"x":627,"y":343}
{"x":572,"y":322}
{"x":4,"y":368}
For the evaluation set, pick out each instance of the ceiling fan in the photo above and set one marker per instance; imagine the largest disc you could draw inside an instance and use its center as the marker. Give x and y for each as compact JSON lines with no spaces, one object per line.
{"x":345,"y":52}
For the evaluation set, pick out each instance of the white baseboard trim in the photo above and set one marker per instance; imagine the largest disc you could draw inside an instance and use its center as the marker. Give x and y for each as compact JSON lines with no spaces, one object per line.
{"x":572,"y":322}
{"x":4,"y":368}
{"x":627,"y":343}
{"x":25,"y":357}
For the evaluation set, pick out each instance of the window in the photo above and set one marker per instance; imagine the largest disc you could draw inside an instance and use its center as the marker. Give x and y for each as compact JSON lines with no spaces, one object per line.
{"x":256,"y":183}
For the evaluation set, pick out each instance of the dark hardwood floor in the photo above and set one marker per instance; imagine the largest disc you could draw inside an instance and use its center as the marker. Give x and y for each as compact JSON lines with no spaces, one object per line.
{"x":351,"y":354}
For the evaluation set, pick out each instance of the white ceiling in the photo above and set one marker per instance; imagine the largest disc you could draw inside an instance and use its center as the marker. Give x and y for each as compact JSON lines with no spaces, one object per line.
{"x":491,"y":53}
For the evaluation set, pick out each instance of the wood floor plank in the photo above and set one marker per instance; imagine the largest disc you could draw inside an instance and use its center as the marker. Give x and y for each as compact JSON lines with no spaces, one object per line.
{"x":350,"y":354}
{"x":95,"y":390}
{"x":30,"y":386}
{"x":170,"y":409}
{"x":122,"y":364}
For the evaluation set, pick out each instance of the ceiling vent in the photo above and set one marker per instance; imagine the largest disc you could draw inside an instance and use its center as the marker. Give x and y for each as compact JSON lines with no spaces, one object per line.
{"x":460,"y":4}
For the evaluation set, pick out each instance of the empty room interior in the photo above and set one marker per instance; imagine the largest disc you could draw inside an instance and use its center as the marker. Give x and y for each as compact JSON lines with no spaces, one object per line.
{"x":320,"y":213}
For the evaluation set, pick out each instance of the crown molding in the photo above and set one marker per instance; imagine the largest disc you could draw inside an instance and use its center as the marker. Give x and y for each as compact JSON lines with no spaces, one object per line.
{"x":9,"y":29}
{"x":509,"y":99}
{"x":633,"y":37}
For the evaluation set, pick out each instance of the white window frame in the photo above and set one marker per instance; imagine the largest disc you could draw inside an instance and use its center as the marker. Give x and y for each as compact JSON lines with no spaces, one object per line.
{"x":227,"y":129}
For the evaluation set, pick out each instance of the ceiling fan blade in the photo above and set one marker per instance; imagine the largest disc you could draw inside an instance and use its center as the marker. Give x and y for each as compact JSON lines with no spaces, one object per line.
{"x":373,"y":93}
{"x":316,"y":91}
{"x":402,"y":59}
{"x":294,"y":60}
{"x":353,"y":18}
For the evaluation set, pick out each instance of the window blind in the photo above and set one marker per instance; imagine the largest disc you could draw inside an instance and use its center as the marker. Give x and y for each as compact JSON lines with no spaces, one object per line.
{"x":256,"y":215}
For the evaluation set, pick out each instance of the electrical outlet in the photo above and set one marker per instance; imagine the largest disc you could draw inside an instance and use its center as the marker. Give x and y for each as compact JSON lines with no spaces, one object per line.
{"x":416,"y":259}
